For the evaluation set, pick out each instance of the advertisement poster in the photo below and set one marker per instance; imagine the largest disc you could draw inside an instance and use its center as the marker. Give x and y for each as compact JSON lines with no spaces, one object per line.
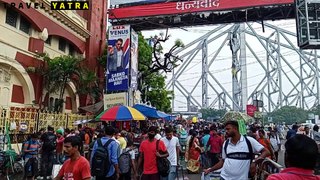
{"x":118,"y":2}
{"x":118,"y":58}
{"x":134,"y":60}
{"x":115,"y":99}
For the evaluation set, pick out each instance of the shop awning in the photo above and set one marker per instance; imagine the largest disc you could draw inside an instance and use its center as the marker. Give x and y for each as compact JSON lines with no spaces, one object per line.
{"x":151,"y":112}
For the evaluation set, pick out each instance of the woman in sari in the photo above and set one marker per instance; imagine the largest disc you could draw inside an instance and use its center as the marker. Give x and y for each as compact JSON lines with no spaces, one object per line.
{"x":193,"y":151}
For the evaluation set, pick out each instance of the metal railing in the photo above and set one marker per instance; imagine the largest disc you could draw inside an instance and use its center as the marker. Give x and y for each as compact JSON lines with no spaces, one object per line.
{"x":267,"y":167}
{"x":34,"y":120}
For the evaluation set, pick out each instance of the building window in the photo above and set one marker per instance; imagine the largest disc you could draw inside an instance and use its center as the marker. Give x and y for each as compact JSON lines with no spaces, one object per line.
{"x":11,"y":17}
{"x":48,"y":41}
{"x":24,"y":25}
{"x":62,"y":44}
{"x":71,"y":50}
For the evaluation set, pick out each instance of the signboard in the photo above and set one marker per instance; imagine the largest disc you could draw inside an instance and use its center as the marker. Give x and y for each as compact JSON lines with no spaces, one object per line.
{"x":187,"y":7}
{"x":134,"y":60}
{"x":111,"y":100}
{"x":119,"y":2}
{"x":250,"y":110}
{"x":118,"y":58}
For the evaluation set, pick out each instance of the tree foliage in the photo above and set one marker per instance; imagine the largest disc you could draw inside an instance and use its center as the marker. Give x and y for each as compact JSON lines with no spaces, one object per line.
{"x":289,"y":114}
{"x":57,"y":72}
{"x":208,"y":113}
{"x":152,"y":83}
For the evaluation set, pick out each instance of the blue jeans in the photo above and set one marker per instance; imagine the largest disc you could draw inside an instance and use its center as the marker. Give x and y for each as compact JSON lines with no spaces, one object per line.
{"x":172,"y":174}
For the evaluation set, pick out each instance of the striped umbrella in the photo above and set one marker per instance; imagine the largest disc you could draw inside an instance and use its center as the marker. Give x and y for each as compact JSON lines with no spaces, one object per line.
{"x":121,"y":113}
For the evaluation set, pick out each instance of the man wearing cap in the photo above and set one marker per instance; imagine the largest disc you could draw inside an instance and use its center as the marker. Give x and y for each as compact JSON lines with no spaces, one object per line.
{"x":149,"y":153}
{"x":59,"y":148}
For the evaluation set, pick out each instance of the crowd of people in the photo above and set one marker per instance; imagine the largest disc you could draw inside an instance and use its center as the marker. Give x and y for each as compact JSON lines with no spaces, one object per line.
{"x":138,"y":153}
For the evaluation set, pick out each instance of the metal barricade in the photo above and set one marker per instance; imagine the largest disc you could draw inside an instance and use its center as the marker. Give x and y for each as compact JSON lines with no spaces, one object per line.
{"x":266,"y":168}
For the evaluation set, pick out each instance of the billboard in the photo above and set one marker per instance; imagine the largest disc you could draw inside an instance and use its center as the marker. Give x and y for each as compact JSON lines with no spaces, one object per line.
{"x":118,"y":58}
{"x":115,"y":99}
{"x":187,"y":7}
{"x":119,"y":2}
{"x":134,"y":60}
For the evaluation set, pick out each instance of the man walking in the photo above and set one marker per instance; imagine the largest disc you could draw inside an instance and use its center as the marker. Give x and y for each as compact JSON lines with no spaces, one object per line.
{"x":49,"y":140}
{"x":173,"y":147}
{"x":237,"y":154}
{"x":149,"y":153}
{"x":104,"y":157}
{"x":215,"y":143}
{"x":76,"y":167}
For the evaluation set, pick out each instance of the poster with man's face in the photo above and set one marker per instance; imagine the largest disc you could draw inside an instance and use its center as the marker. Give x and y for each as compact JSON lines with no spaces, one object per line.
{"x":118,"y":58}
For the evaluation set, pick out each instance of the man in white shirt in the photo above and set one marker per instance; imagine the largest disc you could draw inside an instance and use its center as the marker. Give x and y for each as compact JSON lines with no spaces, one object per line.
{"x":237,"y":154}
{"x":172,"y":144}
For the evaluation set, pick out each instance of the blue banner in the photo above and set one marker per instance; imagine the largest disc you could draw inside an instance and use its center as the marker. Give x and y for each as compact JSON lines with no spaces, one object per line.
{"x":118,"y":58}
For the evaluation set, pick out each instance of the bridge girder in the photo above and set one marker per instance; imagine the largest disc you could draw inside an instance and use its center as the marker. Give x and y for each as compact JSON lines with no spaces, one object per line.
{"x":287,"y":75}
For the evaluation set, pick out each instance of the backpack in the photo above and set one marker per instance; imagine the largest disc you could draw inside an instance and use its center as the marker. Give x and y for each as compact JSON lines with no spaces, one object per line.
{"x":125,"y":162}
{"x":240,"y":155}
{"x":50,"y":143}
{"x":100,"y":161}
{"x":183,"y":135}
{"x":82,"y":135}
{"x":163,"y":164}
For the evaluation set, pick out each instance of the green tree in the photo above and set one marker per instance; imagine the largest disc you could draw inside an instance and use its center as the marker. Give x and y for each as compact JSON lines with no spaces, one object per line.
{"x":212,"y":113}
{"x":152,"y":84}
{"x":88,"y":85}
{"x":289,"y":114}
{"x":57,"y":72}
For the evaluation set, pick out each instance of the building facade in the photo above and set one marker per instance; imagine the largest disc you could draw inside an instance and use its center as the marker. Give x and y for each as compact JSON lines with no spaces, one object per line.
{"x":31,"y":27}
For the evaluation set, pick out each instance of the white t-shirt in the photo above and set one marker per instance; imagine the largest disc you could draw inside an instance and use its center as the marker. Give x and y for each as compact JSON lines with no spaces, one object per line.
{"x":234,"y":169}
{"x":171,"y":146}
{"x":158,"y":136}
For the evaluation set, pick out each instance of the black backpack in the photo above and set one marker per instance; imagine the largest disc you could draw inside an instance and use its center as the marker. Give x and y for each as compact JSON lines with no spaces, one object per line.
{"x":101,"y":162}
{"x":50,"y":142}
{"x":163,"y":164}
{"x":240,"y":155}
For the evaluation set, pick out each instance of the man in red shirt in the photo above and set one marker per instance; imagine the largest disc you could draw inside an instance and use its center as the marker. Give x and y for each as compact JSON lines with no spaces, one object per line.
{"x":148,"y":155}
{"x":76,"y":167}
{"x":215,"y":143}
{"x":300,"y":159}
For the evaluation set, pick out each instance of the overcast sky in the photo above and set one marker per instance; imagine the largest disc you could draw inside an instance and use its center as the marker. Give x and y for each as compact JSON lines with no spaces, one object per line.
{"x":221,"y":68}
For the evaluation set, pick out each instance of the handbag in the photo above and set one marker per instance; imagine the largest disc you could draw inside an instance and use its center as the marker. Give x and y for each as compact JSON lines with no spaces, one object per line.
{"x":163,"y":164}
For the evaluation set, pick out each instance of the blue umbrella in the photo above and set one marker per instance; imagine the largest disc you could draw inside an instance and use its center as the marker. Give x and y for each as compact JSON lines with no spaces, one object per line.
{"x":151,"y":112}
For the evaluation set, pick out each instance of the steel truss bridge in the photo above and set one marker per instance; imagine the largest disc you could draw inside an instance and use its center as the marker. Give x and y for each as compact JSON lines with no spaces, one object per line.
{"x":239,"y":63}
{"x":264,"y":66}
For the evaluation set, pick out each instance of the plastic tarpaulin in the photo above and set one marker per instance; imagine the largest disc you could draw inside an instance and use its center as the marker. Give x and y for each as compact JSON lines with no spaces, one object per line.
{"x":151,"y":112}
